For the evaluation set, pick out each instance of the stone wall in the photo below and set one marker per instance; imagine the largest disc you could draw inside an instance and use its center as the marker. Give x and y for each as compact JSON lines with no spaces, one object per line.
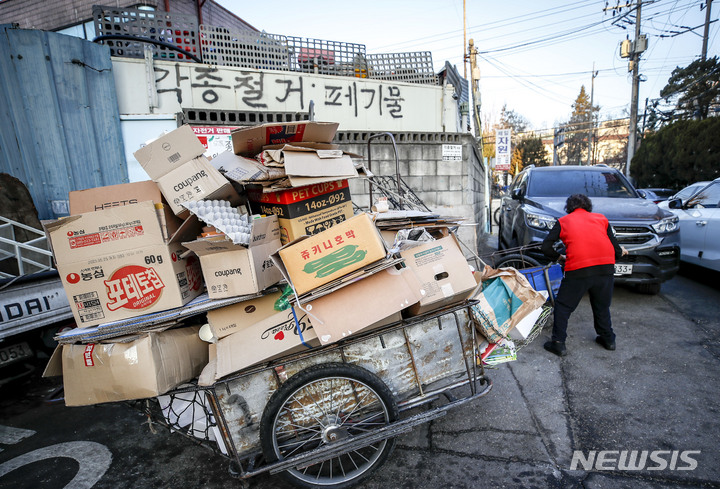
{"x":449,"y":188}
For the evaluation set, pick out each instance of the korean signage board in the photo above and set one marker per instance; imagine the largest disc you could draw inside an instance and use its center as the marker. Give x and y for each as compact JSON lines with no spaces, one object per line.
{"x":502,"y":149}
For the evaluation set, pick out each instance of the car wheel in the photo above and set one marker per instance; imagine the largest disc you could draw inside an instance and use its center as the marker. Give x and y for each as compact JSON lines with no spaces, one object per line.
{"x":650,"y":289}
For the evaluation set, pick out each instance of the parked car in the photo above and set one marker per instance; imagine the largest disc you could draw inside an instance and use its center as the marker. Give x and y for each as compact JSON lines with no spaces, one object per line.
{"x":537,"y":198}
{"x":685,"y":193}
{"x":657,"y":195}
{"x":699,"y":220}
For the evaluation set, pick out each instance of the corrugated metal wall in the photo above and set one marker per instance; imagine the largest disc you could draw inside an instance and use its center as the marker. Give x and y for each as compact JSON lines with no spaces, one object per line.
{"x":59,"y":119}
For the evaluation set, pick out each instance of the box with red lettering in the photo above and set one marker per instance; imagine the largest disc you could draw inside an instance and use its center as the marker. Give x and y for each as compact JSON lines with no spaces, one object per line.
{"x":304,"y":210}
{"x":313,"y":261}
{"x":115,"y":263}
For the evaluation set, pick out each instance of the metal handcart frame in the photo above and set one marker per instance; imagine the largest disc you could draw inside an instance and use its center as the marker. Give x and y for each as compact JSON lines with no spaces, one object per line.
{"x":417,"y":360}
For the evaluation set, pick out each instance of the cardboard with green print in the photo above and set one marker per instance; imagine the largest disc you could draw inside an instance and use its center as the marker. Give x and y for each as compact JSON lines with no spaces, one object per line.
{"x":312,"y":261}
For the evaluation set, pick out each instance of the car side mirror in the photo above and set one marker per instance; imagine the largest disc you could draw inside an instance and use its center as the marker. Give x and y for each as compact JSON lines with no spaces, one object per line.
{"x":518,"y":193}
{"x":642,"y":194}
{"x":674,"y":204}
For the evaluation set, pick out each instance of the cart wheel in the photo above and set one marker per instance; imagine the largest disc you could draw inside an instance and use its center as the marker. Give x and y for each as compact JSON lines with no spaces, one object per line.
{"x":516,"y":261}
{"x":319,"y":406}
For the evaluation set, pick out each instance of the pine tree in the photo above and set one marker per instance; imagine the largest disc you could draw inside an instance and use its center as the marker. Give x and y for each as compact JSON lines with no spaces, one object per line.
{"x":578,"y":128}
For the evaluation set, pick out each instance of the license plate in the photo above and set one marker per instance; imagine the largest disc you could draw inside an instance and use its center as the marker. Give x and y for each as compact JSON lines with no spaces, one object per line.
{"x":621,"y":269}
{"x":13,"y":353}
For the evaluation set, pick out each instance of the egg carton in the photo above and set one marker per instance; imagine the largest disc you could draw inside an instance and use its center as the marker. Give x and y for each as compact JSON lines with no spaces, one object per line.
{"x":224,"y":217}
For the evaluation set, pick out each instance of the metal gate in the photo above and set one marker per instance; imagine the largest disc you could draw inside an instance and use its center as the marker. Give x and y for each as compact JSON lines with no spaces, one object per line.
{"x":59,"y":120}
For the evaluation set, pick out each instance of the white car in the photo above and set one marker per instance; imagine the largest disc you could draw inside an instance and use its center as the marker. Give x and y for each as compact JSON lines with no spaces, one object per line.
{"x":699,"y":219}
{"x":685,"y":193}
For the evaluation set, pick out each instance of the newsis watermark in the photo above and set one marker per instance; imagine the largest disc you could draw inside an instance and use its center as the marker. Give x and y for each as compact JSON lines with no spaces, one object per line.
{"x":633,"y":460}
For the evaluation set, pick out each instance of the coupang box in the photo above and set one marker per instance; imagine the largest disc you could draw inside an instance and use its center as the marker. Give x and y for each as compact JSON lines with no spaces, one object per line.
{"x":115,"y":263}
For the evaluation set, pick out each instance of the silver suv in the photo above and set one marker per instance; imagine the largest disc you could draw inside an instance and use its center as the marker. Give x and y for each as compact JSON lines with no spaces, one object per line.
{"x":537,"y":198}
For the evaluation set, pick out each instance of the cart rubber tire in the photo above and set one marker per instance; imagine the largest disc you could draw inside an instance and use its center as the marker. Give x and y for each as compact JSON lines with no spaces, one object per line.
{"x":516,"y":261}
{"x":365,"y":398}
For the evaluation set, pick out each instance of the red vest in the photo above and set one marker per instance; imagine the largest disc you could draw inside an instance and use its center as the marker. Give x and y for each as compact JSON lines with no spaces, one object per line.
{"x":585,"y":236}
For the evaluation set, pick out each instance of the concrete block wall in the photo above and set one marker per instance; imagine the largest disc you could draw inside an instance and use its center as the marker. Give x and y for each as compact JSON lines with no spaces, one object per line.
{"x":449,"y":188}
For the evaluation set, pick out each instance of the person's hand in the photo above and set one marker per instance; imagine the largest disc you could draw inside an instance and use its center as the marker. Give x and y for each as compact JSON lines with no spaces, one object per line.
{"x":624,"y":251}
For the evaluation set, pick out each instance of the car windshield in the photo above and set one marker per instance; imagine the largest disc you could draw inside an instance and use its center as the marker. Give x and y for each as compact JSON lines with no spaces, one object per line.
{"x":690,"y":190}
{"x":568,"y":182}
{"x":708,"y":198}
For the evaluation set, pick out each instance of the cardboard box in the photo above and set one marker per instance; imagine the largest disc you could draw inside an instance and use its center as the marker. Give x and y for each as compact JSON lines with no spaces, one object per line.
{"x":115,"y":263}
{"x":195,"y":180}
{"x":263,"y":341}
{"x":176,"y":163}
{"x":169,"y":151}
{"x":101,"y":198}
{"x":304,"y":211}
{"x":312,"y":261}
{"x":251,"y":140}
{"x":232,"y":318}
{"x":443,"y":272}
{"x":232,"y":269}
{"x":364,"y":304}
{"x":310,"y":163}
{"x":146,"y":367}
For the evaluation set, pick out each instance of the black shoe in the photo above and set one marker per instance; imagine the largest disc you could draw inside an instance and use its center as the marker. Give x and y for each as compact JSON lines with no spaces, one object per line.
{"x":608,"y":345}
{"x":556,"y":347}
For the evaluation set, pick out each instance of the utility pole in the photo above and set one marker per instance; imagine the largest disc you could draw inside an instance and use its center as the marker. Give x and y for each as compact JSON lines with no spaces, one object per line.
{"x":708,"y":5}
{"x":592,"y":125}
{"x":635,"y":63}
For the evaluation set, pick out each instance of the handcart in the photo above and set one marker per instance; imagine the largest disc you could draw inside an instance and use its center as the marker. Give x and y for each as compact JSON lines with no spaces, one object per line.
{"x":329,"y":416}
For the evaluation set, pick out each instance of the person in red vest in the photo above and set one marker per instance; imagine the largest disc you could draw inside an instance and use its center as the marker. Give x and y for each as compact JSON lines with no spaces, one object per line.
{"x":590,"y":253}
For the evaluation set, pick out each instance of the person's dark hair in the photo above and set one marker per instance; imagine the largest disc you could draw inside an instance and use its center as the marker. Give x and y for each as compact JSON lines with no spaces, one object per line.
{"x":578,"y":201}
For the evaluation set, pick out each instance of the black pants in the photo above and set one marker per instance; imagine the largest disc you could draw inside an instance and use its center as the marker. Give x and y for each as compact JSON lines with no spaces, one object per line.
{"x":572,"y":290}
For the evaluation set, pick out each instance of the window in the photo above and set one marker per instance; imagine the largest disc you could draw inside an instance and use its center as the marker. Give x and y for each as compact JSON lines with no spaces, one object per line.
{"x":590,"y":183}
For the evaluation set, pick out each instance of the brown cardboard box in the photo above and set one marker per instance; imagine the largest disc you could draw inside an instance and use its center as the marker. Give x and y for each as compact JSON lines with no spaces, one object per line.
{"x":145,"y":367}
{"x":170,"y":150}
{"x":310,"y":163}
{"x":251,"y":140}
{"x":100,"y":198}
{"x":232,"y":269}
{"x":115,"y":263}
{"x":364,"y":304}
{"x":443,"y":272}
{"x":312,"y":261}
{"x":176,"y":163}
{"x":235,"y":317}
{"x":305,"y":211}
{"x":195,"y":180}
{"x":263,"y":341}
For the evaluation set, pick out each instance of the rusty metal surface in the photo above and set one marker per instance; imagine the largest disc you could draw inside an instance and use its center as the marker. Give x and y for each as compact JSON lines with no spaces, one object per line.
{"x":429,"y":352}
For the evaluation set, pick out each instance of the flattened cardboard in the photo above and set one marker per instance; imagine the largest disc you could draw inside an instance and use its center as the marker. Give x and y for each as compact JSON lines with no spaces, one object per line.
{"x":229,"y":319}
{"x":115,"y":264}
{"x":363,"y":304}
{"x":243,"y":170}
{"x":231,"y":270}
{"x":101,"y":198}
{"x":263,"y":341}
{"x":147,"y":367}
{"x":195,"y":180}
{"x":250,"y":141}
{"x":312,"y":261}
{"x":443,"y":272}
{"x":169,"y":151}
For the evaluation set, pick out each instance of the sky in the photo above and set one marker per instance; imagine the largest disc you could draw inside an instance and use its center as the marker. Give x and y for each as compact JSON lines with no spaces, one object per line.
{"x":534,"y":56}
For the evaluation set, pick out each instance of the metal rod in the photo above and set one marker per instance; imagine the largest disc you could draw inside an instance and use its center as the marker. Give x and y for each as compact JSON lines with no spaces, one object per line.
{"x":397,"y":163}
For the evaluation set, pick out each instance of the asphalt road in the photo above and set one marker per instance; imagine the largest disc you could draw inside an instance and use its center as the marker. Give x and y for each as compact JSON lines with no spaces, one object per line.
{"x":656,"y":394}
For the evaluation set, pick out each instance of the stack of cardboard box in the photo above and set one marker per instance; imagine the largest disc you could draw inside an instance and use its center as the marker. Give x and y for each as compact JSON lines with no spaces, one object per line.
{"x":313,"y":273}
